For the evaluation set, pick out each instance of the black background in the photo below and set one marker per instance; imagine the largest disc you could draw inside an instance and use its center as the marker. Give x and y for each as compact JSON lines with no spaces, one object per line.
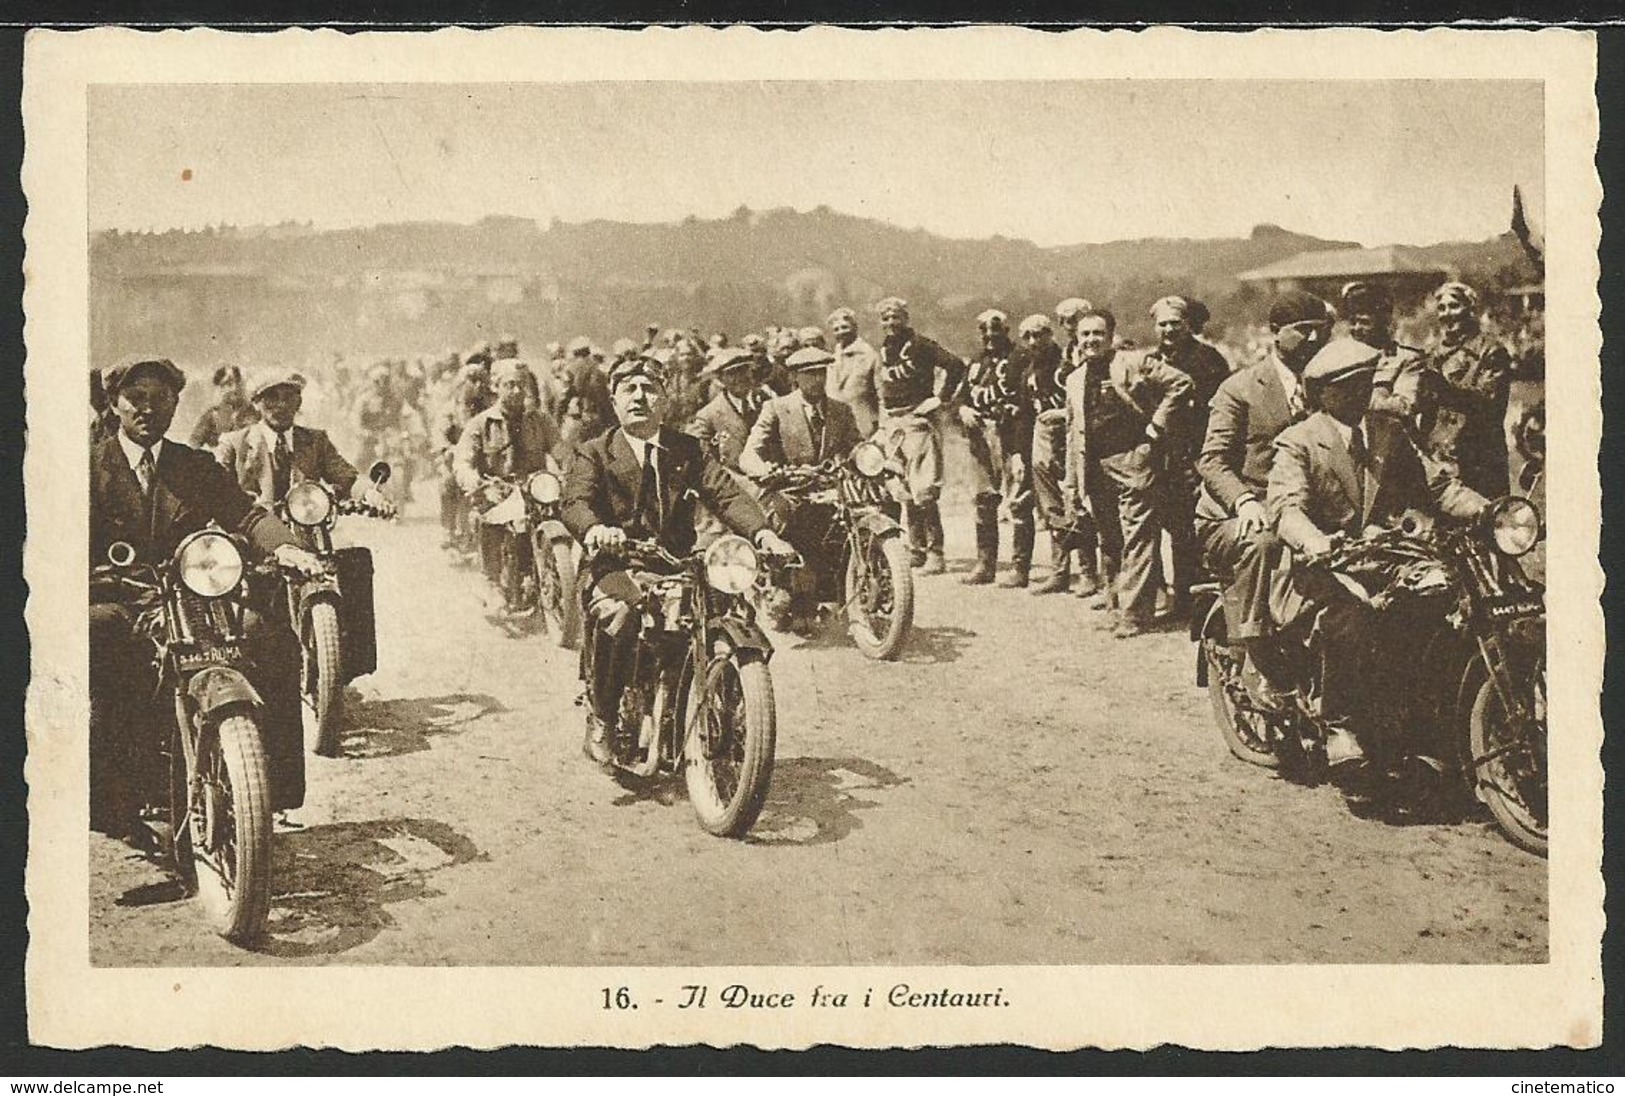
{"x":18,"y":1059}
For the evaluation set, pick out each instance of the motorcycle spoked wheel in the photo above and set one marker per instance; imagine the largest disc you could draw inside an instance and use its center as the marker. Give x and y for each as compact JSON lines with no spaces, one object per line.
{"x":728,"y":748}
{"x":223,"y":846}
{"x":880,"y":596}
{"x":511,"y":578}
{"x":321,"y":680}
{"x":556,"y":594}
{"x":1507,"y":762}
{"x":1246,"y":732}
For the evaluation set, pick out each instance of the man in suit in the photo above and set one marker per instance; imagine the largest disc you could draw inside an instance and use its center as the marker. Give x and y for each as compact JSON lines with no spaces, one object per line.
{"x":506,"y":442}
{"x":723,"y":424}
{"x":641,"y":480}
{"x":276,"y":452}
{"x":998,"y":423}
{"x":151,"y":493}
{"x":1119,"y":409}
{"x":1249,"y":410}
{"x":804,"y":428}
{"x":1343,"y":470}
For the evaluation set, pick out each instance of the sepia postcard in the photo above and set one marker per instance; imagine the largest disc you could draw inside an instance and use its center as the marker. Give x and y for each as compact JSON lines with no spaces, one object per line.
{"x":882,"y":538}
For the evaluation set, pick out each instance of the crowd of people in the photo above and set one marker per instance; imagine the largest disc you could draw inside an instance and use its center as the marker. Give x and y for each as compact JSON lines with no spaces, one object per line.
{"x":1145,"y":468}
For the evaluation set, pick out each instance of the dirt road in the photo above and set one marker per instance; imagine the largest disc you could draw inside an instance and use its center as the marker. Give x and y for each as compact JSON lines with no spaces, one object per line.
{"x":1020,"y":789}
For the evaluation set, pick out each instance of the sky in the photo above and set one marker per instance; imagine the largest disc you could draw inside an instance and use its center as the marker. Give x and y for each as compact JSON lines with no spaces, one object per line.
{"x":1410,"y":162}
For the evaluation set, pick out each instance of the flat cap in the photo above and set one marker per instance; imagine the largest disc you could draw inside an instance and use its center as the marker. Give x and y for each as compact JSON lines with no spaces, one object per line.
{"x":810,"y":336}
{"x":993,"y":317}
{"x":580,"y":345}
{"x":1036,"y":322}
{"x":810,"y":357}
{"x":279,"y":379}
{"x":1072,"y":307}
{"x":162,"y":368}
{"x":1341,"y":359}
{"x":1365,"y":298}
{"x":622,"y":347}
{"x":504,"y":368}
{"x":725,"y":358}
{"x":641,"y":366}
{"x":1457,"y":291}
{"x":1297,"y":307}
{"x":842,"y":313}
{"x":1172,"y":305}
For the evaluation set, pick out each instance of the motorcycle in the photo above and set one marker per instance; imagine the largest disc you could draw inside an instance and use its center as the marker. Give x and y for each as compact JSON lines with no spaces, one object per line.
{"x":544,"y":585}
{"x":1468,"y":691}
{"x":698,"y":695}
{"x":332,"y":614}
{"x":866,"y":570}
{"x":218,"y":784}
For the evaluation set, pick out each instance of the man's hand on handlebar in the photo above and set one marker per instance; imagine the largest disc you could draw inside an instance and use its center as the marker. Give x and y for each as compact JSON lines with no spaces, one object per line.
{"x":602,"y":539}
{"x":305,"y":564}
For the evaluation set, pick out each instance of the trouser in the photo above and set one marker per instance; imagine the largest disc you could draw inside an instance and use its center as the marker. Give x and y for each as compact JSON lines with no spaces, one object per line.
{"x":496,"y":541}
{"x":127,"y":711}
{"x":999,"y":455}
{"x":913,"y":441}
{"x":453,"y":507}
{"x":1243,"y":565}
{"x":805,"y":525}
{"x":609,"y":651}
{"x":1049,"y":471}
{"x":1179,"y":519}
{"x":1123,"y":490}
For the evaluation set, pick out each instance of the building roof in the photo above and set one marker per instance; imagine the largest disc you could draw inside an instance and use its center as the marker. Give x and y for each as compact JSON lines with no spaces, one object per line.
{"x":1343,"y":262}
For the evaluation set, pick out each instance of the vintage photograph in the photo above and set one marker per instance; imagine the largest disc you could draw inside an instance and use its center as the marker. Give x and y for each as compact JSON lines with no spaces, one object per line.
{"x":803,"y":521}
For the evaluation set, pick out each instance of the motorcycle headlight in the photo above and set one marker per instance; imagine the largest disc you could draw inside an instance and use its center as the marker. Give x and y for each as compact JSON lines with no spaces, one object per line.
{"x":210,"y":564}
{"x":869,"y":459}
{"x":544,"y":488}
{"x":1515,"y":526}
{"x":309,"y":503}
{"x":730,"y":565}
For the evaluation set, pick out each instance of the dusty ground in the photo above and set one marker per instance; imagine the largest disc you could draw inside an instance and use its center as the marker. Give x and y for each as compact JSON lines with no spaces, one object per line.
{"x":1020,"y":789}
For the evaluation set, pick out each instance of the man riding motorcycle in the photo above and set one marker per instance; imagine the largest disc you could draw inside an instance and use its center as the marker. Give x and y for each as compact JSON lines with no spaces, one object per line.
{"x":804,"y":428}
{"x":150,"y":492}
{"x":276,"y":452}
{"x":641,"y":480}
{"x":1342,"y":470}
{"x":507,"y":441}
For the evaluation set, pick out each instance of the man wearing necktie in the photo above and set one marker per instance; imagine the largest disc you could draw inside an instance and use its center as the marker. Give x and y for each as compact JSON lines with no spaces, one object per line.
{"x":1248,"y":411}
{"x":804,"y":428}
{"x":642,"y":480}
{"x":1341,"y":471}
{"x":151,"y":493}
{"x":724,"y":423}
{"x":273,"y":454}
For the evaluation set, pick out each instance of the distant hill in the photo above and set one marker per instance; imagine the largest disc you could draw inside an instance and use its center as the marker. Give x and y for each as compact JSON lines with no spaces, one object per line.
{"x":287,"y":293}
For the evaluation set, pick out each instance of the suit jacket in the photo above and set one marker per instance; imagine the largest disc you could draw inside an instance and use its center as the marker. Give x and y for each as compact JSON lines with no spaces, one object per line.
{"x":192,"y":490}
{"x":486,"y":447}
{"x":722,"y":429}
{"x":1314,"y":485}
{"x":247,"y":454}
{"x":601,"y":488}
{"x":1248,"y":411}
{"x":851,"y":379}
{"x":1157,"y":390}
{"x":782,"y":435}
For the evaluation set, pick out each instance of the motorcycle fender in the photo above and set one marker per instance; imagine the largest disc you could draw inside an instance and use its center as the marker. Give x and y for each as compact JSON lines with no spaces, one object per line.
{"x":313,"y":592}
{"x":216,"y":687}
{"x":747,"y":639}
{"x":876,"y":522}
{"x":554,"y":530}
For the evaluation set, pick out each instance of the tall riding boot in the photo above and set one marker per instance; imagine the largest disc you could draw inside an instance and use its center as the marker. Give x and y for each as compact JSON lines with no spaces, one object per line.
{"x":1088,"y":583}
{"x":1021,"y":551}
{"x":1060,"y":575}
{"x":931,"y":517}
{"x":987,"y":543}
{"x":914,"y":523}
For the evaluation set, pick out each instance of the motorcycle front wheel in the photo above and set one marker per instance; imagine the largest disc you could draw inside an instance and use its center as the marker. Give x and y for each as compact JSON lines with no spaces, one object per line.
{"x":321,"y":684}
{"x":225,"y":842}
{"x":556,"y":590}
{"x":1245,"y":732}
{"x":880,"y":597}
{"x":1508,"y":759}
{"x":728,"y":750}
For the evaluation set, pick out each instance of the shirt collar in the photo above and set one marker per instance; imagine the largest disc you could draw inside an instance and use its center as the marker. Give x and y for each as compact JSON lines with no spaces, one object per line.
{"x":1346,"y":432}
{"x":270,"y":435}
{"x":133,"y":452}
{"x":640,"y":447}
{"x":1289,"y":379}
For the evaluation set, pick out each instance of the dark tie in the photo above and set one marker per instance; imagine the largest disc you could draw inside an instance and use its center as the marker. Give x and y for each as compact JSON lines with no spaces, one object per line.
{"x":281,"y":465}
{"x":815,"y":423}
{"x":1295,"y":405}
{"x":147,"y":472}
{"x":649,"y":490}
{"x":1357,"y":454}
